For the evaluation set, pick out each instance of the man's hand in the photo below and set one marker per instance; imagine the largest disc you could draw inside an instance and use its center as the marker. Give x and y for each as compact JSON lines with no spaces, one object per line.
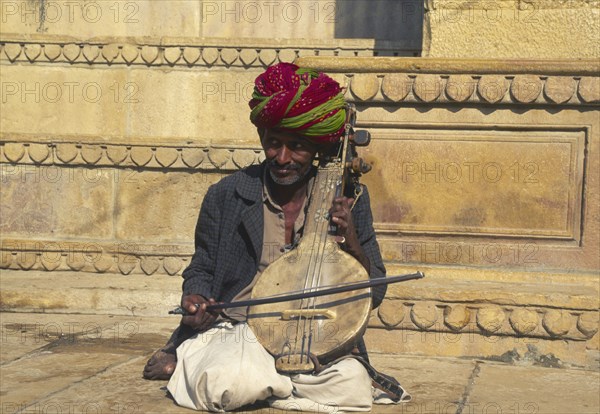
{"x":342,"y":218}
{"x":199,"y":317}
{"x":341,"y":215}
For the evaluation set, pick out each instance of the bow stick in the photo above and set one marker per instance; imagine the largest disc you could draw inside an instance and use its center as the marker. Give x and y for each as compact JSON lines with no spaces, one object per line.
{"x":312,"y":293}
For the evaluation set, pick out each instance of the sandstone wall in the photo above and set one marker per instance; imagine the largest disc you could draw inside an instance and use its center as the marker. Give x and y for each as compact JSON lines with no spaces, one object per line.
{"x":117,"y":116}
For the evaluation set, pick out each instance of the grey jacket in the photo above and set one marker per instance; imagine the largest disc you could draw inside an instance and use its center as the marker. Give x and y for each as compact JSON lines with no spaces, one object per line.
{"x":229,"y":233}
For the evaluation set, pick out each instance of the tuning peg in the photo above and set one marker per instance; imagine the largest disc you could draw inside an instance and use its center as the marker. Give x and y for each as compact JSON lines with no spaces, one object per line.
{"x":359,"y":166}
{"x":361,"y":138}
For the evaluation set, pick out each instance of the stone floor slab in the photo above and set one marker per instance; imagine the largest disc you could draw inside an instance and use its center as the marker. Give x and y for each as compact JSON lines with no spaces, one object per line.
{"x":24,"y":333}
{"x":533,"y":390}
{"x":432,"y":382}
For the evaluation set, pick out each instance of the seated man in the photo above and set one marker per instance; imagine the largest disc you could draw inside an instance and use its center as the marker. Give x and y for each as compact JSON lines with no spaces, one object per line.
{"x":246,"y":222}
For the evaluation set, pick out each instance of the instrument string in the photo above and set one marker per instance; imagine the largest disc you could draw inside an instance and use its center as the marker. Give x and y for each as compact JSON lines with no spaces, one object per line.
{"x":323,"y":233}
{"x":310,"y":268}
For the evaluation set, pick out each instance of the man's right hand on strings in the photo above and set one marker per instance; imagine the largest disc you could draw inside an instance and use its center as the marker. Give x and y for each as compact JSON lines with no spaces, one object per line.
{"x":198,"y":318}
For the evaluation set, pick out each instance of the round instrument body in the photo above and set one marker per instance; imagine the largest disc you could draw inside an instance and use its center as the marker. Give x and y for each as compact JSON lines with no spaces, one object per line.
{"x":326,"y":326}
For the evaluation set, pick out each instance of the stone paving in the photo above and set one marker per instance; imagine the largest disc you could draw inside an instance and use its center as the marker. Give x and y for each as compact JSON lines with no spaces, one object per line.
{"x":77,"y":363}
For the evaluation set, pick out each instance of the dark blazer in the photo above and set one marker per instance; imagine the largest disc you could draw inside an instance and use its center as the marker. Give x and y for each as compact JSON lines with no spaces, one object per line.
{"x":229,"y":237}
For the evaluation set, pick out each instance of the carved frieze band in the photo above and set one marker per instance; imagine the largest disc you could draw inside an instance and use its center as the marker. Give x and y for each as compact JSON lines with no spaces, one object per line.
{"x":522,"y":89}
{"x":94,"y":257}
{"x":133,"y":156}
{"x":426,"y":316}
{"x":487,"y":319}
{"x":453,"y":318}
{"x":480,"y":88}
{"x":160,"y":55}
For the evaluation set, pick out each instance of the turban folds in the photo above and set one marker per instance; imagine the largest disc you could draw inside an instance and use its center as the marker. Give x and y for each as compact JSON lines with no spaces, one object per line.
{"x":301,"y":101}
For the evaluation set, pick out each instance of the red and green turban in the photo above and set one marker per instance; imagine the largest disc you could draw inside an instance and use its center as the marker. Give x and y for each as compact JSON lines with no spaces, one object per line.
{"x":297,"y":100}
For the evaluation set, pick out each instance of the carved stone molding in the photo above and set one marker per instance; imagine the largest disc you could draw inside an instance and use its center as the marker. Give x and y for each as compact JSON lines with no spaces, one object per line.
{"x":180,"y":53}
{"x":487,"y":319}
{"x":465,"y":81}
{"x":95,"y":257}
{"x":123,"y":155}
{"x":474,"y":89}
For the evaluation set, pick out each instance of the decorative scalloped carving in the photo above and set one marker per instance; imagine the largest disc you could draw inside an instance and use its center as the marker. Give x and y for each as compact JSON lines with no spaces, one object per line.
{"x":559,"y":89}
{"x":424,"y":314}
{"x":557,"y":322}
{"x":490,"y":318}
{"x":130,"y":53}
{"x":287,"y":55}
{"x":210,"y":55}
{"x":391,"y":313}
{"x":191,"y":55}
{"x":456,"y":317}
{"x":523,"y":321}
{"x":150,"y":265}
{"x":589,"y":89}
{"x":52,"y":51}
{"x":219,"y":157}
{"x":65,"y":153}
{"x":243,"y":158}
{"x":103,"y":264}
{"x":141,"y":155}
{"x":12,"y":51}
{"x":33,"y":51}
{"x":166,"y":156}
{"x":396,"y":86}
{"x":492,"y":88}
{"x":172,"y":265}
{"x":149,"y":54}
{"x":110,"y":52}
{"x":14,"y":151}
{"x":6,"y":259}
{"x":172,"y":55}
{"x":91,"y":52}
{"x":248,"y":56}
{"x":116,"y":154}
{"x":38,"y":153}
{"x":229,"y":56}
{"x":460,"y":88}
{"x":428,"y":87}
{"x":526,"y":88}
{"x":364,"y":86}
{"x":71,"y":51}
{"x":587,"y":323}
{"x":91,"y":154}
{"x":267,"y":56}
{"x":192,"y":157}
{"x":127,"y":264}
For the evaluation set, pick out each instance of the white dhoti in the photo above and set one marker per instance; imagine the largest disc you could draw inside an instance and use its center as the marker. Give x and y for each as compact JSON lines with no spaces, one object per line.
{"x":226,"y":368}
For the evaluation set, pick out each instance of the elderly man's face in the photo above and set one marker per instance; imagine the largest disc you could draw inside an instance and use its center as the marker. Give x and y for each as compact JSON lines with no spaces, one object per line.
{"x":289,"y":156}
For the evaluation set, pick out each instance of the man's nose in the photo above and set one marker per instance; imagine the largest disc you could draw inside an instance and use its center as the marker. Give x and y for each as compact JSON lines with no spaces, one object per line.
{"x":284,"y":155}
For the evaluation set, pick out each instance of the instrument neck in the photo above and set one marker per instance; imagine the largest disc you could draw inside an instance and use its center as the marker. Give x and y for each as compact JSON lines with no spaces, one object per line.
{"x":328,"y":184}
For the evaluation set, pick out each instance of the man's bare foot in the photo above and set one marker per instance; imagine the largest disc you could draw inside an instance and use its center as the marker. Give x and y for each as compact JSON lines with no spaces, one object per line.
{"x":162,"y":364}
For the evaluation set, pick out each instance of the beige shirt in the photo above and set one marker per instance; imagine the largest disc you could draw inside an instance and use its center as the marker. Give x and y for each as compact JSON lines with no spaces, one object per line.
{"x":274,"y":245}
